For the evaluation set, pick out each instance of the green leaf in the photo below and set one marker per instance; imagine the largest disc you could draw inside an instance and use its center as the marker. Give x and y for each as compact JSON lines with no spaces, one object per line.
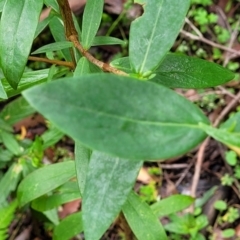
{"x":105,"y":40}
{"x":220,"y":205}
{"x":5,"y":126}
{"x":171,"y":205}
{"x":52,"y":3}
{"x":2,"y":2}
{"x":82,"y":159}
{"x":149,"y":120}
{"x":109,"y":181}
{"x":57,"y":30}
{"x":232,"y":123}
{"x":45,"y":203}
{"x":42,"y":25}
{"x":83,"y":66}
{"x":17,"y":28}
{"x":44,"y":180}
{"x":12,"y":176}
{"x":180,"y":71}
{"x":141,"y":219}
{"x":16,"y":110}
{"x":51,"y":136}
{"x":54,"y":47}
{"x":68,"y":227}
{"x":122,"y":64}
{"x":28,"y":79}
{"x":3,"y":93}
{"x":52,"y":215}
{"x":153,"y":34}
{"x":222,"y":135}
{"x":92,"y":16}
{"x":10,"y":142}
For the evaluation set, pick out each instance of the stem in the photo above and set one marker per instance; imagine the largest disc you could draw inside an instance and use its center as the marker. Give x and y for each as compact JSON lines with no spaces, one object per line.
{"x":71,"y":35}
{"x":57,"y":62}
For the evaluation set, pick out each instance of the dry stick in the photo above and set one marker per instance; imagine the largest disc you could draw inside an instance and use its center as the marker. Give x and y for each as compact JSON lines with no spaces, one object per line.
{"x":57,"y":62}
{"x":201,"y":150}
{"x":71,"y":35}
{"x":213,"y":44}
{"x":234,"y":35}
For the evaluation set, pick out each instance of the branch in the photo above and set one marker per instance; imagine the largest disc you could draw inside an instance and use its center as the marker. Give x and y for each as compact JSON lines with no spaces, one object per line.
{"x":57,"y":62}
{"x":72,"y":36}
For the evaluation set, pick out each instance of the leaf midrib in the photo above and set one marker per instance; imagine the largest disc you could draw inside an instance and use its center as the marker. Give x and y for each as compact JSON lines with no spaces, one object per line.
{"x":188,"y":125}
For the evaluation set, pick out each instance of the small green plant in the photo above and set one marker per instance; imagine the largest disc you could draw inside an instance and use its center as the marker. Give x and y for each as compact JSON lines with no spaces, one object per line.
{"x":118,"y":114}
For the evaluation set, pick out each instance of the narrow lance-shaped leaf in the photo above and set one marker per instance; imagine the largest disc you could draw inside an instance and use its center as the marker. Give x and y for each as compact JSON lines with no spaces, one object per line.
{"x":109,"y":181}
{"x":54,"y":47}
{"x":153,"y":34}
{"x":145,"y":225}
{"x":92,"y":16}
{"x":17,"y":29}
{"x":44,"y":180}
{"x":180,"y":71}
{"x":121,"y":115}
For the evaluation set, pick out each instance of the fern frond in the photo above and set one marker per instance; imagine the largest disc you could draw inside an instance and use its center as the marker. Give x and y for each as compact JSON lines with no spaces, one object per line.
{"x":6,"y":217}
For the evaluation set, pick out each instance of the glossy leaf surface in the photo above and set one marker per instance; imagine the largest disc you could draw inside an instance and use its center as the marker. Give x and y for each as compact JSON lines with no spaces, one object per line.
{"x":44,"y":180}
{"x":68,"y":227}
{"x":99,"y":107}
{"x":16,"y":36}
{"x":180,"y":71}
{"x":153,"y":34}
{"x":144,"y":224}
{"x":109,"y":181}
{"x":92,"y":16}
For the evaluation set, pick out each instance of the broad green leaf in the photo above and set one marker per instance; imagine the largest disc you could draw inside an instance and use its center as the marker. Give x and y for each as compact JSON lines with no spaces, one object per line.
{"x":45,"y":203}
{"x":109,"y":181}
{"x":44,"y":180}
{"x":28,"y":79}
{"x":16,"y":110}
{"x":180,"y":71}
{"x":153,"y":34}
{"x":12,"y":176}
{"x":92,"y":16}
{"x":2,"y":2}
{"x":82,"y":158}
{"x":42,"y":25}
{"x":17,"y":28}
{"x":3,"y":93}
{"x":104,"y":40}
{"x":120,"y":115}
{"x":171,"y":205}
{"x":10,"y":142}
{"x":54,"y":47}
{"x":222,"y":135}
{"x":144,"y":224}
{"x":68,"y":227}
{"x":122,"y":64}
